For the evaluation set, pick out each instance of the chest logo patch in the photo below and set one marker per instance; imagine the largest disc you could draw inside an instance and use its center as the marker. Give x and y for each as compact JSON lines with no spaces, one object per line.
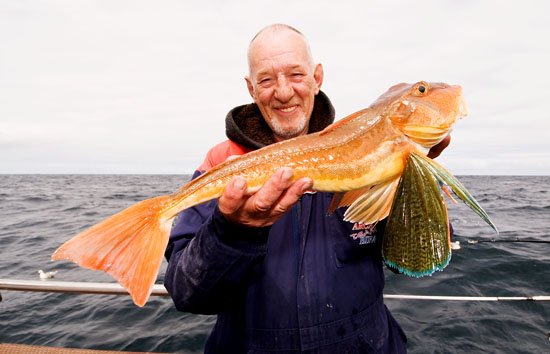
{"x":365,"y":233}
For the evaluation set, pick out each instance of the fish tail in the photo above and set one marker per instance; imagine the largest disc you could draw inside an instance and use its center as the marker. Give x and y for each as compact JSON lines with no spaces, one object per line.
{"x":129,"y":245}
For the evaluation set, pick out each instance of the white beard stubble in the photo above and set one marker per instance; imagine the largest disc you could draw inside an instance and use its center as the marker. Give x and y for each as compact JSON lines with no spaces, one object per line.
{"x":289,"y":132}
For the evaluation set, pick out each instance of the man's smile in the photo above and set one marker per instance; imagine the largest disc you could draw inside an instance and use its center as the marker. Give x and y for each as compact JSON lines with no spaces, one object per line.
{"x":287,"y":109}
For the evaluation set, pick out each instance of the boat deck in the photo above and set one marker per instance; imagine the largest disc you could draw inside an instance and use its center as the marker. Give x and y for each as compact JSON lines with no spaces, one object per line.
{"x":37,"y":349}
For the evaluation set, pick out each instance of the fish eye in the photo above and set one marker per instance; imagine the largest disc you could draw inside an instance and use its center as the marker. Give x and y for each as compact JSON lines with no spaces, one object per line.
{"x":422,"y":88}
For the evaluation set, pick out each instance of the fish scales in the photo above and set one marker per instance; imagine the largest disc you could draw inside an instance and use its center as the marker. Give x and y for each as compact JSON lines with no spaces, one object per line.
{"x":364,"y":151}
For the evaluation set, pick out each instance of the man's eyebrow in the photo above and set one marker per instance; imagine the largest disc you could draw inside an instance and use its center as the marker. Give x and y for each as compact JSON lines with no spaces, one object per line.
{"x":267,"y":72}
{"x":296,"y":66}
{"x":262,"y":73}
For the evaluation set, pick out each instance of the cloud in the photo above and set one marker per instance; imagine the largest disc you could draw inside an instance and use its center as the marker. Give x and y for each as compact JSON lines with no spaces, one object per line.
{"x":134,"y":87}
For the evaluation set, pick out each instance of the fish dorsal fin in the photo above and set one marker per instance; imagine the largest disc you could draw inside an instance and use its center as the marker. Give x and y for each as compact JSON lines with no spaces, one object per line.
{"x":341,"y":122}
{"x":416,"y":238}
{"x":369,"y":204}
{"x":425,"y":135}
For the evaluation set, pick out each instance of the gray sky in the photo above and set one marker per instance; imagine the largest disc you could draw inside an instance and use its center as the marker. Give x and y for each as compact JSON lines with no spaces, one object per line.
{"x":144,"y":86}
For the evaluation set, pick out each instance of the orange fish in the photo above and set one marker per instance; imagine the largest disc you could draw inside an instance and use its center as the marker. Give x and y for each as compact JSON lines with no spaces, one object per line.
{"x":361,"y":157}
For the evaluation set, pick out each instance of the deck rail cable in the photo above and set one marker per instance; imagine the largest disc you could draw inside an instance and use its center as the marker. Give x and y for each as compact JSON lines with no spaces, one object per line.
{"x":73,"y":287}
{"x":507,"y":240}
{"x":160,"y":290}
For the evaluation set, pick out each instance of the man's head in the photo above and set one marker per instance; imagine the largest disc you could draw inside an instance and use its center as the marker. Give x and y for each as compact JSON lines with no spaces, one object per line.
{"x":283,"y":80}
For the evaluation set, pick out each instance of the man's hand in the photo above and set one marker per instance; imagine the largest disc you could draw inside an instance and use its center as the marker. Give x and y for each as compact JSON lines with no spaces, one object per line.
{"x":267,"y":205}
{"x":436,"y":150}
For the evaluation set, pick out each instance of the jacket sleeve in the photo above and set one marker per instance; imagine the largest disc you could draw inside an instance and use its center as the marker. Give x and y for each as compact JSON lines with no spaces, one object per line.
{"x":210,"y":260}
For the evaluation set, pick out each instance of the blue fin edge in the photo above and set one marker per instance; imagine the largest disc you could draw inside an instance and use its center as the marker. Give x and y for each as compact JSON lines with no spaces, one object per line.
{"x":419,"y":274}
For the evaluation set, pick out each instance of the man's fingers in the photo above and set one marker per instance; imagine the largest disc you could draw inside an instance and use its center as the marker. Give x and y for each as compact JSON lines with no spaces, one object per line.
{"x":292,"y":194}
{"x":436,"y":150}
{"x":268,"y":204}
{"x":270,"y":193}
{"x":233,"y":196}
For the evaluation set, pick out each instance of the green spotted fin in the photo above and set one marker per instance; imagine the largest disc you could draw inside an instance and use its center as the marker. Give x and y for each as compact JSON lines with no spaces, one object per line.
{"x":445,"y":177}
{"x":416,"y":239}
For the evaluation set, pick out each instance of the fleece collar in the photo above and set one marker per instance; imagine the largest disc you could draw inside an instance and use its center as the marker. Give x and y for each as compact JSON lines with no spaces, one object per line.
{"x":246,"y":126}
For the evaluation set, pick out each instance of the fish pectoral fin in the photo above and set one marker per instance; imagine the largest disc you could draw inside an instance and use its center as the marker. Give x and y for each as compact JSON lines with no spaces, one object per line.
{"x":335,"y":203}
{"x":427,"y":136}
{"x":445,"y":177}
{"x":416,"y":238}
{"x":343,"y":199}
{"x":370,"y":204}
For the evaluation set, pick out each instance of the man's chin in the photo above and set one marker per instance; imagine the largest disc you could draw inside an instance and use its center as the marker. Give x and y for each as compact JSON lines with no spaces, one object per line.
{"x":289,"y":131}
{"x":286,"y":135}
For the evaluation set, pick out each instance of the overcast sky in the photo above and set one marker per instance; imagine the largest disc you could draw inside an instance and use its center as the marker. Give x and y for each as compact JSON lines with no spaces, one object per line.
{"x":144,"y":86}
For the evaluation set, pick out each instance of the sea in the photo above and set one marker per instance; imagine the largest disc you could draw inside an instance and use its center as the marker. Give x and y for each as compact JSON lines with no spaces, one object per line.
{"x":39,"y":212}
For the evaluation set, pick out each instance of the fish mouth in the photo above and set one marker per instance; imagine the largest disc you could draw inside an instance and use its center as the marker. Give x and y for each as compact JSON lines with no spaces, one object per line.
{"x":427,"y":123}
{"x":462,"y":110}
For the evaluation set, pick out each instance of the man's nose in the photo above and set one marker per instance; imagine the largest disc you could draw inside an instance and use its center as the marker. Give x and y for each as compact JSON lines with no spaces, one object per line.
{"x":283,"y":89}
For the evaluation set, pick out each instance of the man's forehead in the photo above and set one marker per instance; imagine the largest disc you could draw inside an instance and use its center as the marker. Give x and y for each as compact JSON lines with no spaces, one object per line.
{"x":275,"y":41}
{"x":283,"y":47}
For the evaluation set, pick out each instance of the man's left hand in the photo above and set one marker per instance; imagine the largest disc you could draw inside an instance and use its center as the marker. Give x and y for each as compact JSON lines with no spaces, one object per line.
{"x":436,"y":150}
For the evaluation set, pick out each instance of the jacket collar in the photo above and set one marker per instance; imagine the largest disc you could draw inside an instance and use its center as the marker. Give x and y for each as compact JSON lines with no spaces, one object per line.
{"x":246,"y":126}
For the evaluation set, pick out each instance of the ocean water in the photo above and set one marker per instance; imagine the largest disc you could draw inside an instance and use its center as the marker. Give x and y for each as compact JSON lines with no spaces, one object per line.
{"x":39,"y":212}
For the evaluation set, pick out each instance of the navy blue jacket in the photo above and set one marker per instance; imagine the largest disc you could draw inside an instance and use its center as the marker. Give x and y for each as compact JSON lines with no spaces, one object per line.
{"x":311,"y":283}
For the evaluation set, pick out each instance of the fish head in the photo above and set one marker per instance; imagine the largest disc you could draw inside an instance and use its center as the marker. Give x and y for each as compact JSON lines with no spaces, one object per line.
{"x":424,"y":111}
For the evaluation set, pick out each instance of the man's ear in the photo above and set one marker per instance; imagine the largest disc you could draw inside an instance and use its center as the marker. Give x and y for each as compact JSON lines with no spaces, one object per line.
{"x":318,"y":76}
{"x":250,"y":87}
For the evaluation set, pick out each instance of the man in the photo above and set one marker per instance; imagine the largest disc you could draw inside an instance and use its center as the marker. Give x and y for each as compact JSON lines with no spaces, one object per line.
{"x":282,"y":275}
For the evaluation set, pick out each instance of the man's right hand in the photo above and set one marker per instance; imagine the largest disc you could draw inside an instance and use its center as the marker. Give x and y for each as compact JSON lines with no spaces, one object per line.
{"x":268,"y":204}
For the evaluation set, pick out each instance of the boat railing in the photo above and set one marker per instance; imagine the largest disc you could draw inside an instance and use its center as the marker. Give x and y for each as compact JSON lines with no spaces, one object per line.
{"x":55,"y":286}
{"x":159,"y":290}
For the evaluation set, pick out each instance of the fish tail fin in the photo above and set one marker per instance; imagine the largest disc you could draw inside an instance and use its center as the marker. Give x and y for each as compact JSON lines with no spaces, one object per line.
{"x":416,"y":239}
{"x":128,"y":245}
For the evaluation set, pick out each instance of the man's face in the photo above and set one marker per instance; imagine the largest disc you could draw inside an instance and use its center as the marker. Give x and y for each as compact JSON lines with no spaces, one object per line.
{"x":283,"y":82}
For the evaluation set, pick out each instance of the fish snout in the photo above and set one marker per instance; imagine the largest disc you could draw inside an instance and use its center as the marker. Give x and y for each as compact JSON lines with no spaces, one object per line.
{"x":462,"y":109}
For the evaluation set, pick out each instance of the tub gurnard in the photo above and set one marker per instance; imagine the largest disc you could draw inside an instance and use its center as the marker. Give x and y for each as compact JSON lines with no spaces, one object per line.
{"x":373,"y":160}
